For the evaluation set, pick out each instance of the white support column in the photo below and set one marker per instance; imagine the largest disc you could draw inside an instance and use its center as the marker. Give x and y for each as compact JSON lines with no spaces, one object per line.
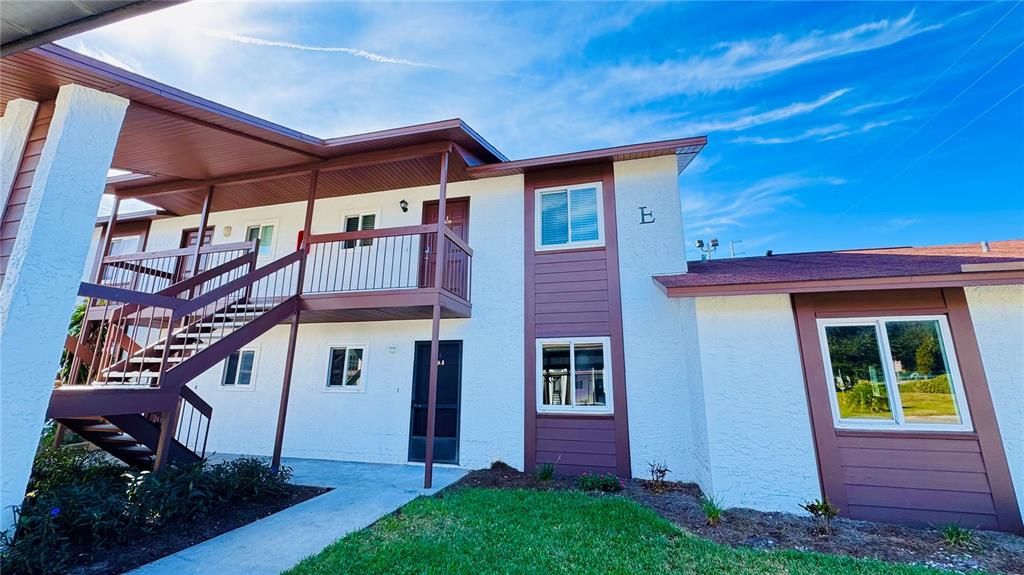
{"x":41,"y":284}
{"x":15,"y":126}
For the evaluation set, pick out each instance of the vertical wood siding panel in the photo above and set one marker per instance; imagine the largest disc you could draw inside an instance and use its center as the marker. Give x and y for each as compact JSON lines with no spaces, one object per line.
{"x":574,"y":293}
{"x":917,"y":478}
{"x":10,"y":222}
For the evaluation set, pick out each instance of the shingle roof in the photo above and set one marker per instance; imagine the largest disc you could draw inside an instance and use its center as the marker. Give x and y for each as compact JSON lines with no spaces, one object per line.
{"x":844,"y":265}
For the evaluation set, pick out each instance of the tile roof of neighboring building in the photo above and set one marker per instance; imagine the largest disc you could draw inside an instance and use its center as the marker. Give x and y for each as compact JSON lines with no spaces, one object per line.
{"x":957,"y":264}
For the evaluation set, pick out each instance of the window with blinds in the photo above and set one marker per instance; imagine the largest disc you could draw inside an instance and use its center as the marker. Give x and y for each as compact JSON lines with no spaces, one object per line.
{"x":569,"y":217}
{"x":359,"y":223}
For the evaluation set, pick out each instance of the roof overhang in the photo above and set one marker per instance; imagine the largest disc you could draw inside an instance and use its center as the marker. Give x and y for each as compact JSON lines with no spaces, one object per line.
{"x":1013,"y":277}
{"x":30,"y":23}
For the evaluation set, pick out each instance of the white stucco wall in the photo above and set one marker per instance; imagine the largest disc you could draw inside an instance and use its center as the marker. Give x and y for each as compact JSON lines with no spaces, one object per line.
{"x":761,"y":451}
{"x":998,"y":316}
{"x":658,"y":332}
{"x":41,"y":283}
{"x":373,"y":425}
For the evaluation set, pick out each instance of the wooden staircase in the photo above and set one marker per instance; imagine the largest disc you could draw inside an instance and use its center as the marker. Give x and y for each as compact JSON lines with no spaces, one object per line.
{"x":138,"y":351}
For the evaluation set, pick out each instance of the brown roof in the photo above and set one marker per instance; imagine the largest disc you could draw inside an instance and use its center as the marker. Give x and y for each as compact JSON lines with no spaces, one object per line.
{"x":957,"y":264}
{"x":182,"y":142}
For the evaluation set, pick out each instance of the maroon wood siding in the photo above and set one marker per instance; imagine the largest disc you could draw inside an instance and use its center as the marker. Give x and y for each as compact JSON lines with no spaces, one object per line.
{"x":15,"y":208}
{"x":910,"y":477}
{"x":575,"y":293}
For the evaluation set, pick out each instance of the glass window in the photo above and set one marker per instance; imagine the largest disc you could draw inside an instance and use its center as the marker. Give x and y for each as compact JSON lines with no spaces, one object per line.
{"x":857,"y":373}
{"x":358,"y":223}
{"x":570,"y":216}
{"x":118,"y":247}
{"x":573,"y":376}
{"x":265,"y":234}
{"x":346,"y":368}
{"x":897,"y":372}
{"x":238,"y":368}
{"x":922,"y":372}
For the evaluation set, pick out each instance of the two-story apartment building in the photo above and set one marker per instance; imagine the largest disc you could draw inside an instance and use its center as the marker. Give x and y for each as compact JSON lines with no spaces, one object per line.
{"x":412,"y":295}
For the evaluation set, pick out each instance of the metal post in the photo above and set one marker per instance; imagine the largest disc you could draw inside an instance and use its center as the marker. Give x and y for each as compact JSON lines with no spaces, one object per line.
{"x":293,"y":333}
{"x":204,"y":220}
{"x":168,"y":421}
{"x":435,"y":327}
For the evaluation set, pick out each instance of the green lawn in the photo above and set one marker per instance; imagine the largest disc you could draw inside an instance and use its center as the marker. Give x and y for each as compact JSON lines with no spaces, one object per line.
{"x":481,"y":531}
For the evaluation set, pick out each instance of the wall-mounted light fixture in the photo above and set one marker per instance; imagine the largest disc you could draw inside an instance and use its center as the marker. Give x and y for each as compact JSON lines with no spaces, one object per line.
{"x":227,"y":231}
{"x":404,"y":205}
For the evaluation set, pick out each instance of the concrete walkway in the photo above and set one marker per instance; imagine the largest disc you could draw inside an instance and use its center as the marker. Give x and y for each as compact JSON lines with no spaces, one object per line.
{"x":364,"y":492}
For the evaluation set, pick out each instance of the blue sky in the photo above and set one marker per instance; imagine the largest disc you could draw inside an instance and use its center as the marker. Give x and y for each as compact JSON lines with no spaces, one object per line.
{"x":830,"y":125}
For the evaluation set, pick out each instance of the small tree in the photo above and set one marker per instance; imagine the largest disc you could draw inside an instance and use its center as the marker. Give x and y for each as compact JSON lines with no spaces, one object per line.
{"x":924,"y":357}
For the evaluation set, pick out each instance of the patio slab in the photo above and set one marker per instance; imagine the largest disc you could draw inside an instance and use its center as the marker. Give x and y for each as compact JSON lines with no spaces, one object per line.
{"x":364,"y":492}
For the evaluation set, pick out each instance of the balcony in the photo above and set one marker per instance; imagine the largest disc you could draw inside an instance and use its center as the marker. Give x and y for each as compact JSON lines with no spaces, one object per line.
{"x":385,"y":274}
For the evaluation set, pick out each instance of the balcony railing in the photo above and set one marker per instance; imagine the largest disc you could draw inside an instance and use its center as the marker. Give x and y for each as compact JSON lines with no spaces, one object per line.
{"x":386,"y":259}
{"x":151,"y":272}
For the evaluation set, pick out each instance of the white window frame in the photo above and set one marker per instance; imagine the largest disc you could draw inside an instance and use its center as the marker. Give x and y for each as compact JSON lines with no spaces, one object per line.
{"x":898,"y":423}
{"x":273,"y":242}
{"x":360,"y":214}
{"x":331,"y":346}
{"x":606,"y":348}
{"x":570,"y":245}
{"x":252,"y":379}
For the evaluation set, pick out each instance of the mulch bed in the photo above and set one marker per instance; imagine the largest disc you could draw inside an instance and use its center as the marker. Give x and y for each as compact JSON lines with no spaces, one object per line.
{"x":680,"y":504}
{"x":174,"y":538}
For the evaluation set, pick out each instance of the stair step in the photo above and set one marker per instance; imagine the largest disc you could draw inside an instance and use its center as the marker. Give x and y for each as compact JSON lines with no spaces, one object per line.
{"x":102,"y":428}
{"x":132,"y":374}
{"x":130,"y":449}
{"x":123,"y":439}
{"x":188,"y":347}
{"x":157,"y":360}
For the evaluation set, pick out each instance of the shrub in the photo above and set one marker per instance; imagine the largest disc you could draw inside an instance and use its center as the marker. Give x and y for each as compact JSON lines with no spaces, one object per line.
{"x":957,"y":536}
{"x":937,"y":384}
{"x":823,"y":512}
{"x":80,"y":499}
{"x":862,"y":397}
{"x":545,"y":472}
{"x":712,"y":508}
{"x":607,"y":482}
{"x":658,"y":473}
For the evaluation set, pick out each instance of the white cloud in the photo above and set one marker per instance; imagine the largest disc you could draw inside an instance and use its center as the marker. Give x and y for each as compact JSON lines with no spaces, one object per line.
{"x":805,"y":135}
{"x":872,"y":105}
{"x":869,"y":126}
{"x":371,"y":56}
{"x":712,"y":212}
{"x":739,"y":63}
{"x":751,"y":120}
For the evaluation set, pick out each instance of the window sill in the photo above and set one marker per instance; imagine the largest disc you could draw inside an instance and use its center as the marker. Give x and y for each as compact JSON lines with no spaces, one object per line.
{"x":570,"y":247}
{"x":359,"y":389}
{"x":907,"y":433}
{"x":573,"y":413}
{"x":240,"y":388}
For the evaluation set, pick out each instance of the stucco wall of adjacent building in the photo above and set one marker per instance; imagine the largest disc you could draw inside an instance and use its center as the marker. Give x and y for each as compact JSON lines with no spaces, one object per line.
{"x":998,"y":316}
{"x":658,"y":332}
{"x":760,"y":447}
{"x":41,"y":282}
{"x":373,"y":425}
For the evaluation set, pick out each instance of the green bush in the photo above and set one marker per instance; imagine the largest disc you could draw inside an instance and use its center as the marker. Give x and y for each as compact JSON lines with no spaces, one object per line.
{"x":545,"y":472}
{"x":79,"y":499}
{"x":862,"y":397}
{"x":938,"y":384}
{"x":604,"y":482}
{"x":712,"y":508}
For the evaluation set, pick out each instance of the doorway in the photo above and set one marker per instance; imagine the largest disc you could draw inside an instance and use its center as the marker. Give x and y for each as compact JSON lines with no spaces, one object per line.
{"x":457,"y":219}
{"x":446,"y":419}
{"x":189,"y":239}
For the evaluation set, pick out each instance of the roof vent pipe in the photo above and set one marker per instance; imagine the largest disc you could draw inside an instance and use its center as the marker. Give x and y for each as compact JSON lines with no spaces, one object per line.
{"x":984,"y":247}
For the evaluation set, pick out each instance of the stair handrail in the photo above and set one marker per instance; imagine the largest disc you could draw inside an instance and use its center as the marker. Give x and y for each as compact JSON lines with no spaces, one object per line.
{"x":205,"y":299}
{"x":206,"y":249}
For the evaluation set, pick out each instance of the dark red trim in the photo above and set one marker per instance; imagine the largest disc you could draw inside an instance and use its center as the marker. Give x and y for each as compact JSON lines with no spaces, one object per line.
{"x":860,"y":284}
{"x":597,"y":272}
{"x":906,"y":451}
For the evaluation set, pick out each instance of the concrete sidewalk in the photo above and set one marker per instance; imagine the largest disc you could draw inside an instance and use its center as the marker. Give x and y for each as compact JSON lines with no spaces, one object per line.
{"x":364,"y":492}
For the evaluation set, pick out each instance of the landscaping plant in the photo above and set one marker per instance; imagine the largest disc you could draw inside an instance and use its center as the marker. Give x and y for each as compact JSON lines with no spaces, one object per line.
{"x":957,"y":536}
{"x":712,"y":508}
{"x":545,"y":472}
{"x":823,"y":512}
{"x":81,"y":500}
{"x":607,"y":482}
{"x":658,"y":473}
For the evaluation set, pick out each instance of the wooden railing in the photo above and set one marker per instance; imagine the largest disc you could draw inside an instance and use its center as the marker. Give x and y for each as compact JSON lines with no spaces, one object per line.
{"x":151,"y":272}
{"x":386,"y":259}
